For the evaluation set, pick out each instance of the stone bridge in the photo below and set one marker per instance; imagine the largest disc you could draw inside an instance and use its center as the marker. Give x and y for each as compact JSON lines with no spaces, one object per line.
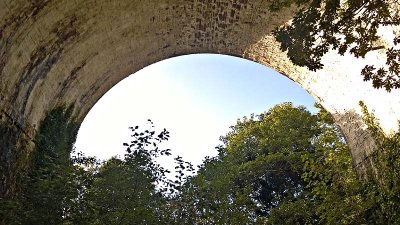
{"x":56,"y":52}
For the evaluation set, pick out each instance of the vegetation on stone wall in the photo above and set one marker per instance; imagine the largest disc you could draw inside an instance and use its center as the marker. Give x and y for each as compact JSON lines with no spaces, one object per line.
{"x":384,"y":184}
{"x":41,"y":183}
{"x":342,"y":197}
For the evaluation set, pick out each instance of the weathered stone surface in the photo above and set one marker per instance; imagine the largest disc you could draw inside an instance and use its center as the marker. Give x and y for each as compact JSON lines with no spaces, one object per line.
{"x":55,"y":52}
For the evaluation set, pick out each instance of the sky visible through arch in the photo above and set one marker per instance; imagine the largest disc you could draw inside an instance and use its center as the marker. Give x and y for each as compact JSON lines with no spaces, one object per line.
{"x":195,"y":97}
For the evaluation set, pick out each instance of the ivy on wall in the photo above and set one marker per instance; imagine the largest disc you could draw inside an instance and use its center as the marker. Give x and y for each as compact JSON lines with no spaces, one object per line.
{"x":43,"y":179}
{"x":384,"y":174}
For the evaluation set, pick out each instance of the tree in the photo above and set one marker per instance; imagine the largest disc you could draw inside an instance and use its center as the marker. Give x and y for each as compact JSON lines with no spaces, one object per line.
{"x":257,"y":175}
{"x":63,"y":188}
{"x":125,"y":190}
{"x":123,"y":194}
{"x":336,"y":188}
{"x":211,"y":197}
{"x":346,"y":26}
{"x":268,"y":151}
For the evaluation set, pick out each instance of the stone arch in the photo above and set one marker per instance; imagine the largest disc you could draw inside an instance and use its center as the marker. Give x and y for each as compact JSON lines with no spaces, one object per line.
{"x":72,"y":52}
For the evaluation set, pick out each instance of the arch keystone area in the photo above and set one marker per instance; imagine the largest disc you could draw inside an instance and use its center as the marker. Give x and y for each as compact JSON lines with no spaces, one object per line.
{"x":72,"y":52}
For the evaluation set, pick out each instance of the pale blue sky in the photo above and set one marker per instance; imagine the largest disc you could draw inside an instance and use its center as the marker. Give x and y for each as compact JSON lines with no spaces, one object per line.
{"x":195,"y":97}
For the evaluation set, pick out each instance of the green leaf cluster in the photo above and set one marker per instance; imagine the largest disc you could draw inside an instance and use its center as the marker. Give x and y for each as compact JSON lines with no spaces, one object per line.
{"x":345,"y":26}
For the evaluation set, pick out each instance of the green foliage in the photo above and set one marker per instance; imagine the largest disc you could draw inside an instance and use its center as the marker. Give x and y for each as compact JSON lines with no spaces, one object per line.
{"x":335,"y":185}
{"x":289,"y":167}
{"x":346,"y":26}
{"x":257,"y":175}
{"x":45,"y":191}
{"x":133,"y":190}
{"x":123,"y":193}
{"x":268,"y":152}
{"x":298,"y":212}
{"x":212,"y":197}
{"x":49,"y":190}
{"x":60,"y":188}
{"x":284,"y":166}
{"x":283,"y":128}
{"x":341,"y":196}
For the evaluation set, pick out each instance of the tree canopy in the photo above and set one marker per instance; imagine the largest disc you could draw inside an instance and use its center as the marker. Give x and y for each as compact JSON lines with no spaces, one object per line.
{"x":284,"y":166}
{"x":257,"y":178}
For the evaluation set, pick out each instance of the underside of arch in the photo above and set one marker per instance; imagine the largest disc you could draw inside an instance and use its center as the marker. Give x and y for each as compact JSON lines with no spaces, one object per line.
{"x":71,"y":52}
